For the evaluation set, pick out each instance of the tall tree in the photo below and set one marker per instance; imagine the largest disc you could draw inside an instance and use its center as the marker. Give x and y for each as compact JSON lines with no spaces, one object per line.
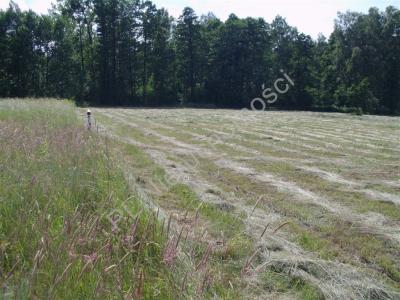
{"x":162,"y":65}
{"x":128,"y":52}
{"x":187,"y":38}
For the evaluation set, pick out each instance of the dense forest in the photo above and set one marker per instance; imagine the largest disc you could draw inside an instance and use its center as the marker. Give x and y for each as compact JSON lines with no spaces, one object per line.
{"x":129,"y":52}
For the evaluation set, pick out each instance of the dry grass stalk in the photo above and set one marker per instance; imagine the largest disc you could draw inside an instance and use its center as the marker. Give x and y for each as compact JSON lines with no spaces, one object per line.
{"x":255,"y":206}
{"x":184,"y":283}
{"x":89,"y":260}
{"x":204,"y":260}
{"x":280,"y":227}
{"x":58,"y":280}
{"x":12,"y":270}
{"x":264,"y":231}
{"x":139,"y":289}
{"x":262,"y":266}
{"x":198,"y":212}
{"x":109,"y":268}
{"x":169,"y":225}
{"x":170,"y":253}
{"x":162,"y":227}
{"x":179,"y":238}
{"x":247,"y":268}
{"x":205,"y":283}
{"x":129,"y":239}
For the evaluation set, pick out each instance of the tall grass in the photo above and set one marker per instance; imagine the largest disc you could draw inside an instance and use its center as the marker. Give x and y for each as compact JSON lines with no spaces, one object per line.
{"x":69,"y":226}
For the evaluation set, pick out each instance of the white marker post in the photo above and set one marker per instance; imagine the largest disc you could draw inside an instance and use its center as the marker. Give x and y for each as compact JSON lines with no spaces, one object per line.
{"x":89,"y":119}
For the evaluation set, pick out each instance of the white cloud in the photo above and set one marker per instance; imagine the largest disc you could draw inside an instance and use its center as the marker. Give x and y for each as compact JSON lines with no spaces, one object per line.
{"x":309,"y":16}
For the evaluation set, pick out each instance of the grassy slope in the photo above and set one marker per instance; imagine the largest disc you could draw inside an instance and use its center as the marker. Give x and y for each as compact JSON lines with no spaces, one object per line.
{"x":67,"y":217}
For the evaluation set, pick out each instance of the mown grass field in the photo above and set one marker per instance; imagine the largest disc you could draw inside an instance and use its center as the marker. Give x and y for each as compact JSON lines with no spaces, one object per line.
{"x":311,"y":198}
{"x":186,"y":204}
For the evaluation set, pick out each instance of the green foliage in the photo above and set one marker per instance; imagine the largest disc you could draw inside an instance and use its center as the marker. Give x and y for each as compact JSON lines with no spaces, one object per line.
{"x":129,"y":52}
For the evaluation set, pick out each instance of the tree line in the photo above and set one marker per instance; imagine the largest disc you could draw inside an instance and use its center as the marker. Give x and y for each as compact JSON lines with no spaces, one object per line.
{"x":129,"y":52}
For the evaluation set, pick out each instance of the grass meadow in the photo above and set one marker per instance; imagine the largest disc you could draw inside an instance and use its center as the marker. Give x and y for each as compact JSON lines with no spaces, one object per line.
{"x":70,"y":227}
{"x":196,"y":204}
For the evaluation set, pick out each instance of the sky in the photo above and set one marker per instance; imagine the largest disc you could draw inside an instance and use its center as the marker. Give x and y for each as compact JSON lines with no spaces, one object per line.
{"x":309,"y":16}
